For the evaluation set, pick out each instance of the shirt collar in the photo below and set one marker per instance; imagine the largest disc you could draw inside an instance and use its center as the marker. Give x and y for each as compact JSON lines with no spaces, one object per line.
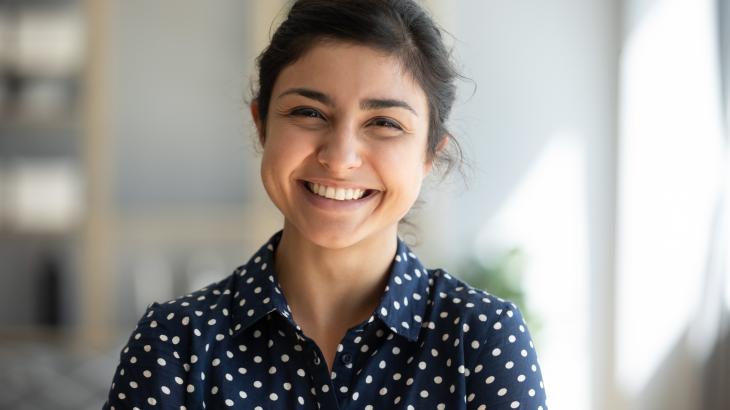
{"x":401,"y":306}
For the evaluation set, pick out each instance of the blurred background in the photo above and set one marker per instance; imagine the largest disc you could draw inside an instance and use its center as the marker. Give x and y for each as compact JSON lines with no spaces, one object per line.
{"x":597,"y":197}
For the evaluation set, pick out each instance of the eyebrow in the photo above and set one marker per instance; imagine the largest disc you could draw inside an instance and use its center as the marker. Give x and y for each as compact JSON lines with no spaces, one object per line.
{"x":311,"y":94}
{"x":368,"y":104}
{"x":375,"y":104}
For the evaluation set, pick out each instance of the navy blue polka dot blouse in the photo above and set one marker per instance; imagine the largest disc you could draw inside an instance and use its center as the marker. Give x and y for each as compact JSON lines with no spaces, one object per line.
{"x":434,"y":342}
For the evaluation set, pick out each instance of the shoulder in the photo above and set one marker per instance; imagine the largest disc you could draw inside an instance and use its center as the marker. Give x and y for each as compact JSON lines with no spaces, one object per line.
{"x":168,"y":339}
{"x":495,"y":340}
{"x":171,"y":323}
{"x":197,"y":303}
{"x":481,"y":316}
{"x":499,"y":358}
{"x":452,"y":294}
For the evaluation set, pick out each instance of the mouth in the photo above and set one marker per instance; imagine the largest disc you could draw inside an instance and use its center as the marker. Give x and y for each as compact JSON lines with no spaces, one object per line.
{"x":337,"y":194}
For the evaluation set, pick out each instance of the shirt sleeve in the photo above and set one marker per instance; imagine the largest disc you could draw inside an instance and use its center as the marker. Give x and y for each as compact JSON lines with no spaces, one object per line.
{"x":148,"y":374}
{"x":505,"y":373}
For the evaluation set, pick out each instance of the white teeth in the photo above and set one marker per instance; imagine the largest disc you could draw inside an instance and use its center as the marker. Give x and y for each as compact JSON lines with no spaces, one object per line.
{"x":339,"y":194}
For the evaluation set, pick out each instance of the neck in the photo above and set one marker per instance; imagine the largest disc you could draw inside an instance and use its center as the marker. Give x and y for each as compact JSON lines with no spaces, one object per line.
{"x":331,"y":290}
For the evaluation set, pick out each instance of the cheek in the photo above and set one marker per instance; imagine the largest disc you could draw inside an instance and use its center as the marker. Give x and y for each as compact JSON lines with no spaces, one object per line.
{"x":282,"y":154}
{"x":403,"y":167}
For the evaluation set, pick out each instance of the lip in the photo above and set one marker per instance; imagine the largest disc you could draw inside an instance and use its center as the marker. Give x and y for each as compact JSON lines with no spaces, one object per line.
{"x":333,"y":204}
{"x":336,"y":184}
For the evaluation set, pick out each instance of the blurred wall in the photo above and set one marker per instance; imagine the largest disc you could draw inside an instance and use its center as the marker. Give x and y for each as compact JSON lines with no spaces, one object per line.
{"x":187,"y":199}
{"x":180,"y":77}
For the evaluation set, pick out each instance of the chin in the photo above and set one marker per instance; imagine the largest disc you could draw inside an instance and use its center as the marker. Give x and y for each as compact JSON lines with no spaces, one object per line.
{"x":333,"y":238}
{"x":330,"y":236}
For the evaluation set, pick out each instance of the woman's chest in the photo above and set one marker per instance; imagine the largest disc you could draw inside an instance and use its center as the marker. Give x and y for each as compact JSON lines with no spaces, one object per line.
{"x":377,"y":369}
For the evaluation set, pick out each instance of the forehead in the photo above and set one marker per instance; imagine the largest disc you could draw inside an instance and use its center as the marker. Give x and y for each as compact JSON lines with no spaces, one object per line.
{"x":346,"y":72}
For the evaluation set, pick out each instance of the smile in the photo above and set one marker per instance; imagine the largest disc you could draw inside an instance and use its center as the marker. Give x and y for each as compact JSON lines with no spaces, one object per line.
{"x":338,"y":194}
{"x":329,"y":201}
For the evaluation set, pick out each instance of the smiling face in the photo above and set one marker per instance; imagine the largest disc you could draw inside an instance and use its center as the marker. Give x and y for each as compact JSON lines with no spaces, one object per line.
{"x":346,"y":118}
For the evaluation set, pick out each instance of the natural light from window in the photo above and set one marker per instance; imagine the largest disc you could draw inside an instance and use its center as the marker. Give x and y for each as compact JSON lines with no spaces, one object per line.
{"x":669,"y":156}
{"x":546,"y":217}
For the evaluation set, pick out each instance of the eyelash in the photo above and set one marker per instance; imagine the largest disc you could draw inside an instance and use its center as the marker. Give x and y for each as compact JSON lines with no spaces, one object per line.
{"x":388,"y":123}
{"x":306,"y":112}
{"x":312,"y":113}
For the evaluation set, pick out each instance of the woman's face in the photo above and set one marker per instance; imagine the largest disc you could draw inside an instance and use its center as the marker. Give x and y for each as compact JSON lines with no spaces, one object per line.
{"x":345,"y":117}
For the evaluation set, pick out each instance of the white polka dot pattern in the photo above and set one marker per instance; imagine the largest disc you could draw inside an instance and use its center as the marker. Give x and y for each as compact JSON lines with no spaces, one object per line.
{"x":433,"y":342}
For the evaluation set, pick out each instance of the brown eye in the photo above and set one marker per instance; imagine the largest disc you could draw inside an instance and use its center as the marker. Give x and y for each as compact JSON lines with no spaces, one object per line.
{"x":307,"y":113}
{"x":387,"y":123}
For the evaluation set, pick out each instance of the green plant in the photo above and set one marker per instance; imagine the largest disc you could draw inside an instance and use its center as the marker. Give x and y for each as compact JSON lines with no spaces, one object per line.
{"x":502,"y":276}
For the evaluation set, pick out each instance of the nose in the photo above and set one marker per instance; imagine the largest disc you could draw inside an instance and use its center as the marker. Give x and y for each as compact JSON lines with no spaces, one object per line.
{"x":340,"y":150}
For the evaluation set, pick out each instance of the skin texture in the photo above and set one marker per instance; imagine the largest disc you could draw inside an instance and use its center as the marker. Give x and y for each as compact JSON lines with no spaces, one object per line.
{"x":350,"y":115}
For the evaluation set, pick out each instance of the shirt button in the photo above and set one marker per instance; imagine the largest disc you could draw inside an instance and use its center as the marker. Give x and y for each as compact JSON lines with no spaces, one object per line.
{"x":316,"y":360}
{"x":346,"y":358}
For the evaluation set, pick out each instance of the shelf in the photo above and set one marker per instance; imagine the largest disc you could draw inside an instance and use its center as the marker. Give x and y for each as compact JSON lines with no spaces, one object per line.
{"x":202,"y":225}
{"x":35,"y":333}
{"x":37,"y":125}
{"x":7,"y":232}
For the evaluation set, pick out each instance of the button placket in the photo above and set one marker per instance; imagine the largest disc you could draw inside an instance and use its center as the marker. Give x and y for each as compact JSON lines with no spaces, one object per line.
{"x":345,"y":360}
{"x":322,"y":385}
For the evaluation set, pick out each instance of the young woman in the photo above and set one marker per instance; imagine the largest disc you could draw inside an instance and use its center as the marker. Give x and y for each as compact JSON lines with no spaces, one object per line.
{"x":334,"y":310}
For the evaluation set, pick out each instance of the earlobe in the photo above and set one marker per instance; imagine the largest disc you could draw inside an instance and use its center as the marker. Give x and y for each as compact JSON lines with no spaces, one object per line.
{"x":440,"y":147}
{"x":255,"y":114}
{"x":444,"y":140}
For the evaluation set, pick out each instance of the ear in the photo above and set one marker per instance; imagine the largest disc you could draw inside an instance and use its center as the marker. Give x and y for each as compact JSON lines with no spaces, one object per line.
{"x":440,"y":147}
{"x":255,"y":114}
